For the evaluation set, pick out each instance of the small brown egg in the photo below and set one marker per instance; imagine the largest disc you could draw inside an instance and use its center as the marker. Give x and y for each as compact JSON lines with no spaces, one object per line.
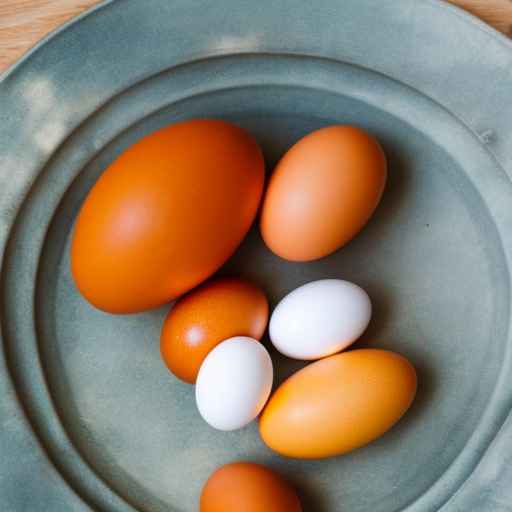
{"x":217,"y":310}
{"x":247,"y":487}
{"x":338,"y":404}
{"x":322,"y":192}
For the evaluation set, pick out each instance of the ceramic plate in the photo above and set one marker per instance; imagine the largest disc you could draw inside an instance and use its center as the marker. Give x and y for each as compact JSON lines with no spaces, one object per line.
{"x":90,"y":417}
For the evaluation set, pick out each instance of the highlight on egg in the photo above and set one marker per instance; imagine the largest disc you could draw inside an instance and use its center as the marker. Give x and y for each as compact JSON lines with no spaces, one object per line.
{"x":234,"y":383}
{"x":247,"y":487}
{"x":166,"y":214}
{"x":338,"y":404}
{"x":319,"y":318}
{"x":322,"y":192}
{"x":215,"y":311}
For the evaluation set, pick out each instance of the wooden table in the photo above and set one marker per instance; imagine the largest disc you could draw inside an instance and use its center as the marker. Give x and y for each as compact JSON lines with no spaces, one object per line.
{"x":24,"y":22}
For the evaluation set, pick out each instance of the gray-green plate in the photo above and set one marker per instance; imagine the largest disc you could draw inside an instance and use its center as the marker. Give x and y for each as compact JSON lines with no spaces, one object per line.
{"x":90,"y":417}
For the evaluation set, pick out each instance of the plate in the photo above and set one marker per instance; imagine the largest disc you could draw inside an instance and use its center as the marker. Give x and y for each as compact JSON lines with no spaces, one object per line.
{"x":91,"y":419}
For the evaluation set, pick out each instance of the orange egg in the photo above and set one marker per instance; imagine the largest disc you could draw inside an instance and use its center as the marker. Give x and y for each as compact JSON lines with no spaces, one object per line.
{"x":322,"y":192}
{"x":166,"y":215}
{"x":247,"y":487}
{"x":338,"y":404}
{"x":216,"y":311}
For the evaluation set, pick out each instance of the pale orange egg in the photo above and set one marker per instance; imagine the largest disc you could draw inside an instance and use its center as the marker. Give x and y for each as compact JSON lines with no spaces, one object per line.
{"x":339,"y":403}
{"x":166,"y":215}
{"x":217,"y":310}
{"x":322,"y":192}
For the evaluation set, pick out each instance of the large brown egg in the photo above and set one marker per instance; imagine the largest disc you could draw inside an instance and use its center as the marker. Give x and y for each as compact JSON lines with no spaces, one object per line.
{"x":166,"y":215}
{"x":322,"y":192}
{"x":215,"y":311}
{"x":338,"y":404}
{"x":247,"y":487}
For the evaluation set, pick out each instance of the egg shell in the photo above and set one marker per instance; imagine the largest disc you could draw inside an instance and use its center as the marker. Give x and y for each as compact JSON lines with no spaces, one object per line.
{"x":234,"y":383}
{"x":322,"y":192}
{"x":247,"y":487}
{"x":319,"y":319}
{"x":339,"y":403}
{"x":166,"y":214}
{"x":219,"y":309}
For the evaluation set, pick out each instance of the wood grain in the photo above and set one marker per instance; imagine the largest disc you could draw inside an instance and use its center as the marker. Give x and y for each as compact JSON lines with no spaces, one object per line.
{"x":24,"y":22}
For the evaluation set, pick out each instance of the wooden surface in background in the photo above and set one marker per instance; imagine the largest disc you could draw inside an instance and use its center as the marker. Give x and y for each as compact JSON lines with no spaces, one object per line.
{"x":24,"y":22}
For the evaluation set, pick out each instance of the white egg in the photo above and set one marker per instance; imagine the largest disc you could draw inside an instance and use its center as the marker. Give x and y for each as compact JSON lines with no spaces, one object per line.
{"x":319,"y":319}
{"x":234,"y":383}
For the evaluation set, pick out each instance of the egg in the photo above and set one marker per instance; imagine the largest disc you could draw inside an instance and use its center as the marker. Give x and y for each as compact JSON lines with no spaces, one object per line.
{"x":338,"y":404}
{"x":247,"y":487}
{"x":319,"y":319}
{"x":322,"y":192}
{"x":166,"y":214}
{"x":217,"y":310}
{"x":234,"y":383}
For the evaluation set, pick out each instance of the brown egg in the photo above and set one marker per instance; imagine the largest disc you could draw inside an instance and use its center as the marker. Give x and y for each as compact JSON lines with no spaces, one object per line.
{"x":247,"y":487}
{"x":322,"y":192}
{"x":166,"y":215}
{"x":217,"y":310}
{"x":338,"y":404}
